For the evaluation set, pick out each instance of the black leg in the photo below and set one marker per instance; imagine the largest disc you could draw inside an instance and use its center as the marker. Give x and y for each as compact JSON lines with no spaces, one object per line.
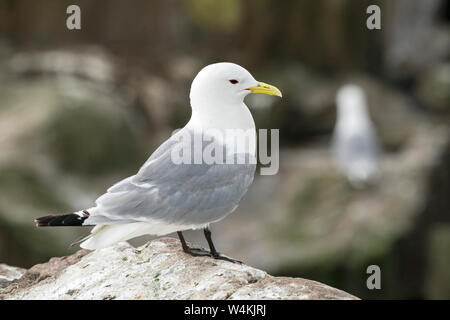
{"x":207,"y":233}
{"x":196,"y":252}
{"x":183,"y":242}
{"x":214,"y":253}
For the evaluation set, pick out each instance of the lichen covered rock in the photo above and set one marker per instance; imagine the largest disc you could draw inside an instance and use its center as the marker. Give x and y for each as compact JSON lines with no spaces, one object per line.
{"x":157,"y":270}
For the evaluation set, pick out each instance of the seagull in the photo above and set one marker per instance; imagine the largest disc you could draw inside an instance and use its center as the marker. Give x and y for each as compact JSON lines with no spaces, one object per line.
{"x":355,"y":144}
{"x":165,"y":196}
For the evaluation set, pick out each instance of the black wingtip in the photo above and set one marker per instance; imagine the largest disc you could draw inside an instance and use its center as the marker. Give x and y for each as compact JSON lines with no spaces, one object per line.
{"x":46,"y":220}
{"x":71,"y":219}
{"x":41,"y":222}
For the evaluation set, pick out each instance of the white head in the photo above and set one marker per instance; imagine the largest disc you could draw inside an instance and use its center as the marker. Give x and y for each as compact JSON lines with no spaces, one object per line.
{"x":223,"y":84}
{"x":351,"y":101}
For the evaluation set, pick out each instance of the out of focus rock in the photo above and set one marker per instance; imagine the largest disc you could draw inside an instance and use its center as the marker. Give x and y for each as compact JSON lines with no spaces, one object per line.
{"x":157,"y":270}
{"x":412,"y":47}
{"x":92,"y":63}
{"x":308,"y":109}
{"x":438,"y":279}
{"x":434,"y":88}
{"x":62,"y":118}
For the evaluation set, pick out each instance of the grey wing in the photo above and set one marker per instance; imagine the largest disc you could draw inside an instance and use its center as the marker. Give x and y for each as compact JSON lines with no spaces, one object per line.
{"x":176,"y":193}
{"x":362,"y":147}
{"x":358,"y":155}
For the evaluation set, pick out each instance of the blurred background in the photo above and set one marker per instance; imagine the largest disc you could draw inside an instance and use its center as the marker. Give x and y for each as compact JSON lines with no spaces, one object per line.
{"x":81,"y":109}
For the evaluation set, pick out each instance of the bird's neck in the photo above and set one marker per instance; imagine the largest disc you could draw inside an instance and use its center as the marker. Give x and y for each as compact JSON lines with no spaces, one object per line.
{"x":236,"y":116}
{"x":226,"y":122}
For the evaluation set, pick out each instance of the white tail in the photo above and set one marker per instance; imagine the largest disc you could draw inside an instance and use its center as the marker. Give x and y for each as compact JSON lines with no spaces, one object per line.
{"x":106,"y":235}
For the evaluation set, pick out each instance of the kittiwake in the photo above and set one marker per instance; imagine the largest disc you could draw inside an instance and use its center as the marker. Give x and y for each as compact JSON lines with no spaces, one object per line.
{"x":165,"y":196}
{"x":355,"y":144}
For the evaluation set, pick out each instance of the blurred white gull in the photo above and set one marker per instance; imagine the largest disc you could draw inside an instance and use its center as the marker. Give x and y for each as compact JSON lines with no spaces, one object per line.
{"x":355,"y":144}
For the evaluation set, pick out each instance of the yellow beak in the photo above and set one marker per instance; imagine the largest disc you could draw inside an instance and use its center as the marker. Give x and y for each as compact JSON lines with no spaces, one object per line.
{"x":266,"y":89}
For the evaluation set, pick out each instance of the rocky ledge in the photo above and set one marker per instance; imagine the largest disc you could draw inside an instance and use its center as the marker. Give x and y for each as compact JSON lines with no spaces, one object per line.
{"x":157,"y":270}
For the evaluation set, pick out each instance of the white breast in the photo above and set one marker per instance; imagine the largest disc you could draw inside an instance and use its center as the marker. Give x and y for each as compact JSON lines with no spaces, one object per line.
{"x":228,"y":120}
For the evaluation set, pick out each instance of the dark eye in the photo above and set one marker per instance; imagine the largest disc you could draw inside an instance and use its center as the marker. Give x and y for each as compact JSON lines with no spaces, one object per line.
{"x":234,"y":81}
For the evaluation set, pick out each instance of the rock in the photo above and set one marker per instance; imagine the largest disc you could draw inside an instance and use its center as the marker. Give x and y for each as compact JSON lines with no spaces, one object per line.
{"x":157,"y":270}
{"x":433,"y":88}
{"x":92,"y":63}
{"x":438,"y":284}
{"x":410,"y":48}
{"x":8,"y":274}
{"x":67,"y":132}
{"x":308,"y":111}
